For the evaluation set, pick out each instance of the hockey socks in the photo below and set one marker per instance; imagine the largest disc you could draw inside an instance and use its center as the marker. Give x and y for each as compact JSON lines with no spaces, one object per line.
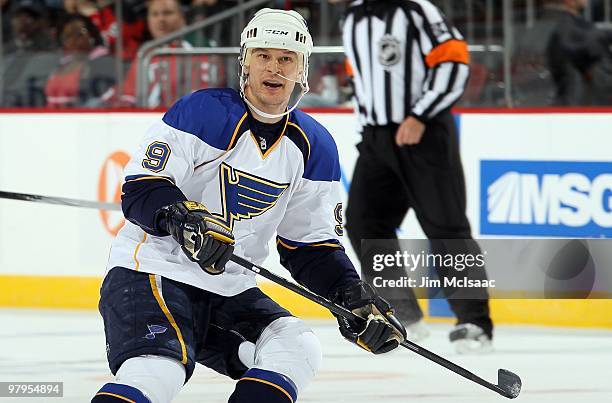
{"x":259,"y":385}
{"x":118,"y":393}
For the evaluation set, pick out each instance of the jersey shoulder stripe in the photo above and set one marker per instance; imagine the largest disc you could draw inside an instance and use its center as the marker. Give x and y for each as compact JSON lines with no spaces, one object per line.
{"x":318,"y":146}
{"x":217,"y":116}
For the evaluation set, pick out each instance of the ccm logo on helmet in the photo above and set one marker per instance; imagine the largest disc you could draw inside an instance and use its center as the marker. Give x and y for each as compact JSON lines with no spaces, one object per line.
{"x":276,"y":32}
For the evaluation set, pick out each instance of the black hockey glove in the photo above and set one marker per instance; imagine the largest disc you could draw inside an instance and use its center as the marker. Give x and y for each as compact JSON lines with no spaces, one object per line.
{"x":203,"y":238}
{"x":382,"y":332}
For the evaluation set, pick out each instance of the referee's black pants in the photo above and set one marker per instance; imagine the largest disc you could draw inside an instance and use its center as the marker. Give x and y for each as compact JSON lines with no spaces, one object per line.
{"x":428,"y":177}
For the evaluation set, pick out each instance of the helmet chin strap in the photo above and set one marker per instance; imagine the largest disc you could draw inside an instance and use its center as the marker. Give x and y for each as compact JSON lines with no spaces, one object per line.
{"x":280,"y":115}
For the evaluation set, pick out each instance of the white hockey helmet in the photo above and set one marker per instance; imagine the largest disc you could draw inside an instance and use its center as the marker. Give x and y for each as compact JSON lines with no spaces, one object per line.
{"x":277,"y":29}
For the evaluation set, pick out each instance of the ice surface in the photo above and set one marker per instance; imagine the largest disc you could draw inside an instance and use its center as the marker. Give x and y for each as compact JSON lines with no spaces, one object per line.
{"x":555,"y":365}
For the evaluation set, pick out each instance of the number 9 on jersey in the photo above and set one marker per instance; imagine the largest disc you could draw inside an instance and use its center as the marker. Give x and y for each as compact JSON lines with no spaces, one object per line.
{"x":157,"y":156}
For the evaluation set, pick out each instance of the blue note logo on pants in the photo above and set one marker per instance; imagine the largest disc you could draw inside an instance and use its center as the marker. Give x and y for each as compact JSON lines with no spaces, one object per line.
{"x":153,"y":330}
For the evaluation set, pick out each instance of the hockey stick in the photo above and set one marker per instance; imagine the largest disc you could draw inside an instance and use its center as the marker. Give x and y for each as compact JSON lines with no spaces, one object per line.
{"x":508,"y":383}
{"x":64,"y":201}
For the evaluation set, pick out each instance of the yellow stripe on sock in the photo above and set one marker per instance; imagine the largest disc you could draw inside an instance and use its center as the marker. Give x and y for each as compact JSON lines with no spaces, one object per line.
{"x":117,"y":396}
{"x":270,"y":384}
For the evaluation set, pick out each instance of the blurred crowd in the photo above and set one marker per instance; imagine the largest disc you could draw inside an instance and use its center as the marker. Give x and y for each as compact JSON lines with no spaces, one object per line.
{"x":562,"y":59}
{"x":75,"y":53}
{"x":63,"y":53}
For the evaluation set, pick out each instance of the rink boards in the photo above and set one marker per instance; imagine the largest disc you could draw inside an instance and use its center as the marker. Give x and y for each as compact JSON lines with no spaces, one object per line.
{"x":552,"y":172}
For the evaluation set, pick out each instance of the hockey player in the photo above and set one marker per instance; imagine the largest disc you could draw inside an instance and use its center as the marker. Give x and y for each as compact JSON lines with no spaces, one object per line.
{"x":224,"y":172}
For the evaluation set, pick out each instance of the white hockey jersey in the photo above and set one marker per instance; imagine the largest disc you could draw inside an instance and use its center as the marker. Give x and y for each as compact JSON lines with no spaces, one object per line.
{"x":204,"y":146}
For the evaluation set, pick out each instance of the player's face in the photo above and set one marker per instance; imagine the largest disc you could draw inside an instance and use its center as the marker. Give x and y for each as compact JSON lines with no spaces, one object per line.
{"x":164,"y":17}
{"x":265,"y":88}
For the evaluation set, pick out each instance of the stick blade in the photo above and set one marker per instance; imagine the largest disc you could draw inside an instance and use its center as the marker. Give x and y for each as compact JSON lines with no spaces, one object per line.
{"x":509,"y":382}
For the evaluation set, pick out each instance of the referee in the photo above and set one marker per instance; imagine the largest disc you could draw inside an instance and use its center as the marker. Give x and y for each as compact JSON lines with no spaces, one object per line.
{"x":410,"y":65}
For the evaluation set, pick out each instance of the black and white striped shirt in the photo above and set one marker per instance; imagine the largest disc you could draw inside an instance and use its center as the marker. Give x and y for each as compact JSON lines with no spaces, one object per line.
{"x":406,"y":59}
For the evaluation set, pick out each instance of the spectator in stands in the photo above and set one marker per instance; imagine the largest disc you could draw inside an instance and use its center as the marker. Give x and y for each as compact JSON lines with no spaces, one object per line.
{"x":102,"y":14}
{"x":578,"y":56}
{"x":168,"y":76}
{"x":28,"y":57}
{"x":29,"y":27}
{"x":86,"y":70}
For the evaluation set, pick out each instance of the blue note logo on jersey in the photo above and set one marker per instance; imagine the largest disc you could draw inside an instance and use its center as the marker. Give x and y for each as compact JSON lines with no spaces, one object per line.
{"x":245,"y":195}
{"x":153,"y":330}
{"x":546,"y":198}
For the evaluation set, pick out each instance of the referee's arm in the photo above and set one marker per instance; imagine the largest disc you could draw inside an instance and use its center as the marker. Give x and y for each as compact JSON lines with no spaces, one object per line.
{"x":446,"y":56}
